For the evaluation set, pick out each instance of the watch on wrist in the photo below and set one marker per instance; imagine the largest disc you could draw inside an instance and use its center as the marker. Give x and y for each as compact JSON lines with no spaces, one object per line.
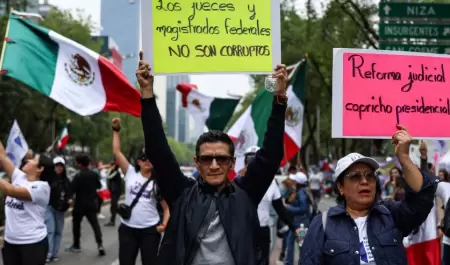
{"x":116,"y":129}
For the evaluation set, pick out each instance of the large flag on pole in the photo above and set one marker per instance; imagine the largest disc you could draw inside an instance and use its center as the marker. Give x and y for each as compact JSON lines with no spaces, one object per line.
{"x":16,"y":146}
{"x":250,"y":128}
{"x":212,"y":112}
{"x":67,"y":72}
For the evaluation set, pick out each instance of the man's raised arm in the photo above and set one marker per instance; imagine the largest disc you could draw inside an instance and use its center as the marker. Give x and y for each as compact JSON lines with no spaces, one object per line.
{"x":262,"y":169}
{"x":168,"y":174}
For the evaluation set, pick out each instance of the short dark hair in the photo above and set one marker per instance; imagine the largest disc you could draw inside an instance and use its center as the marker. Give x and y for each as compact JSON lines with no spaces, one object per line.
{"x":82,"y":160}
{"x":446,"y":178}
{"x":214,"y":137}
{"x":48,"y":173}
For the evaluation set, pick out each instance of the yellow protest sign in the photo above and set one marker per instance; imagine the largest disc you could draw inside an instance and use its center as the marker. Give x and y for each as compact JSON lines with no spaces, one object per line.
{"x":211,"y":36}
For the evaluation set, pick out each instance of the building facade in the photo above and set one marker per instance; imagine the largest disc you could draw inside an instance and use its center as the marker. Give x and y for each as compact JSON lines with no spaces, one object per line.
{"x":177,"y":118}
{"x":120,"y":20}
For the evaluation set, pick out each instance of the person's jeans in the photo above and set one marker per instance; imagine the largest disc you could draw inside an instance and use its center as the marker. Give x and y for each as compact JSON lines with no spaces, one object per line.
{"x":446,"y":255}
{"x":54,"y":220}
{"x":284,"y":242}
{"x":291,"y":242}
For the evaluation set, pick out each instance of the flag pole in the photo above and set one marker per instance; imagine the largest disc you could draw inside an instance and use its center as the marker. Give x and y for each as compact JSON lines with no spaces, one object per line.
{"x":5,"y":42}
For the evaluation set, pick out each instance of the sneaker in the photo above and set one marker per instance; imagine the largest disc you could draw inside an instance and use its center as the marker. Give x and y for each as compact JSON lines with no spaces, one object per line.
{"x":55,"y":259}
{"x":101,"y":216}
{"x":48,"y":260}
{"x":109,"y":224}
{"x":101,"y":251}
{"x":73,"y":249}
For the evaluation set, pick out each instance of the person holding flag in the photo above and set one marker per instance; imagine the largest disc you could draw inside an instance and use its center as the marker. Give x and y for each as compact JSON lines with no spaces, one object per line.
{"x":27,"y":197}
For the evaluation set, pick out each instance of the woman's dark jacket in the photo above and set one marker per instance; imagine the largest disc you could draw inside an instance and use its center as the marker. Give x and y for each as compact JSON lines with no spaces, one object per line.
{"x":388,"y":222}
{"x":60,"y":193}
{"x":189,"y":199}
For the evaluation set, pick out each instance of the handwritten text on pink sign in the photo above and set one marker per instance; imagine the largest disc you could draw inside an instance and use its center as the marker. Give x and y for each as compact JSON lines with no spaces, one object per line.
{"x":381,"y":90}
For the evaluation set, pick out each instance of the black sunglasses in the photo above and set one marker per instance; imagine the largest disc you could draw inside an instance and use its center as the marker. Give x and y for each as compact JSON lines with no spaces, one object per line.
{"x":143,"y":158}
{"x":220,"y":160}
{"x":357,"y":176}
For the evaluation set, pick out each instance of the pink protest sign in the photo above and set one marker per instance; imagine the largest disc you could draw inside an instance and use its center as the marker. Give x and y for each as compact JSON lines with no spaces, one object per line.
{"x":375,"y":90}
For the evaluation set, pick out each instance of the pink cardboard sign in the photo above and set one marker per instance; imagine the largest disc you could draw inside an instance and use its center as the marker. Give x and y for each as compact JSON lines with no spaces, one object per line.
{"x":375,"y":90}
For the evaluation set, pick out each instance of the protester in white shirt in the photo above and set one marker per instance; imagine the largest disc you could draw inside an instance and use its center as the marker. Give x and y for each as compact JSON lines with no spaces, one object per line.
{"x":142,"y":228}
{"x":27,"y":197}
{"x":271,"y":198}
{"x":315,"y":185}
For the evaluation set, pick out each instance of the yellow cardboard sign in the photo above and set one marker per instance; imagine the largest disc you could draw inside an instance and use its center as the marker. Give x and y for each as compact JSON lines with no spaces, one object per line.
{"x":211,"y":36}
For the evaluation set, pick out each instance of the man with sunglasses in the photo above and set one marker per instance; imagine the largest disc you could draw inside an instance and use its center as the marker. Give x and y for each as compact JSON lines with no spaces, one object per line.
{"x":212,"y":220}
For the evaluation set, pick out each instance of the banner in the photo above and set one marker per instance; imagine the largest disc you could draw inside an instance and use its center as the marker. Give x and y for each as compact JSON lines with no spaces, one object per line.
{"x":375,"y":90}
{"x":211,"y":37}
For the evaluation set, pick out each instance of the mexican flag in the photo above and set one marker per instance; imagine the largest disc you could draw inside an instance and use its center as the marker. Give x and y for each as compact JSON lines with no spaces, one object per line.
{"x":69,"y":73}
{"x":250,"y":128}
{"x":212,"y":112}
{"x":63,"y":138}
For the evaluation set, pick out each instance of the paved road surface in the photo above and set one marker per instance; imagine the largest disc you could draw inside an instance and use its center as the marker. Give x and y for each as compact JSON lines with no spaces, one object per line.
{"x":88,"y":256}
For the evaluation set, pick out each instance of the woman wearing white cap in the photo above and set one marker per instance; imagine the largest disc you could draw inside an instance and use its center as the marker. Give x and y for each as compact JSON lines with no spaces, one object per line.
{"x":60,"y":200}
{"x":362,"y":229}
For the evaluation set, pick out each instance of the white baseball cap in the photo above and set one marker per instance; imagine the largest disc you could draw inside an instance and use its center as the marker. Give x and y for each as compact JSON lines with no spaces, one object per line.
{"x":252,"y":149}
{"x":299,"y":177}
{"x":344,"y":163}
{"x":59,"y":160}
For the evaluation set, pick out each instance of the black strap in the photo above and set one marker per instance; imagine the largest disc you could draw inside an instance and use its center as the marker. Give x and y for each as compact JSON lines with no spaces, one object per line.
{"x":201,"y":232}
{"x":139,"y":194}
{"x":207,"y":221}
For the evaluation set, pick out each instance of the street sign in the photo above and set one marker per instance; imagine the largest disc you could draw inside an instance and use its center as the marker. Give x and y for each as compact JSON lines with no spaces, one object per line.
{"x":414,"y":10}
{"x":422,"y":31}
{"x":440,"y":49}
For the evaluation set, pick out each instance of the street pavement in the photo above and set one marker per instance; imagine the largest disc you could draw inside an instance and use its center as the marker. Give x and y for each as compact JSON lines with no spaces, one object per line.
{"x":89,"y":255}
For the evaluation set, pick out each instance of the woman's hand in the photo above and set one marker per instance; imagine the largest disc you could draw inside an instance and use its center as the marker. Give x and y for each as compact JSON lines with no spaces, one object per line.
{"x":402,"y":140}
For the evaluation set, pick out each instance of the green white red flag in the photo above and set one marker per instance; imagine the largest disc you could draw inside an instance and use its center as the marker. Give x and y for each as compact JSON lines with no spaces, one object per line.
{"x":250,"y":128}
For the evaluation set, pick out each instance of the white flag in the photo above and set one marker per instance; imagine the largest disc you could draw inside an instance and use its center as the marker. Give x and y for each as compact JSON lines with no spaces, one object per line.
{"x":16,"y":147}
